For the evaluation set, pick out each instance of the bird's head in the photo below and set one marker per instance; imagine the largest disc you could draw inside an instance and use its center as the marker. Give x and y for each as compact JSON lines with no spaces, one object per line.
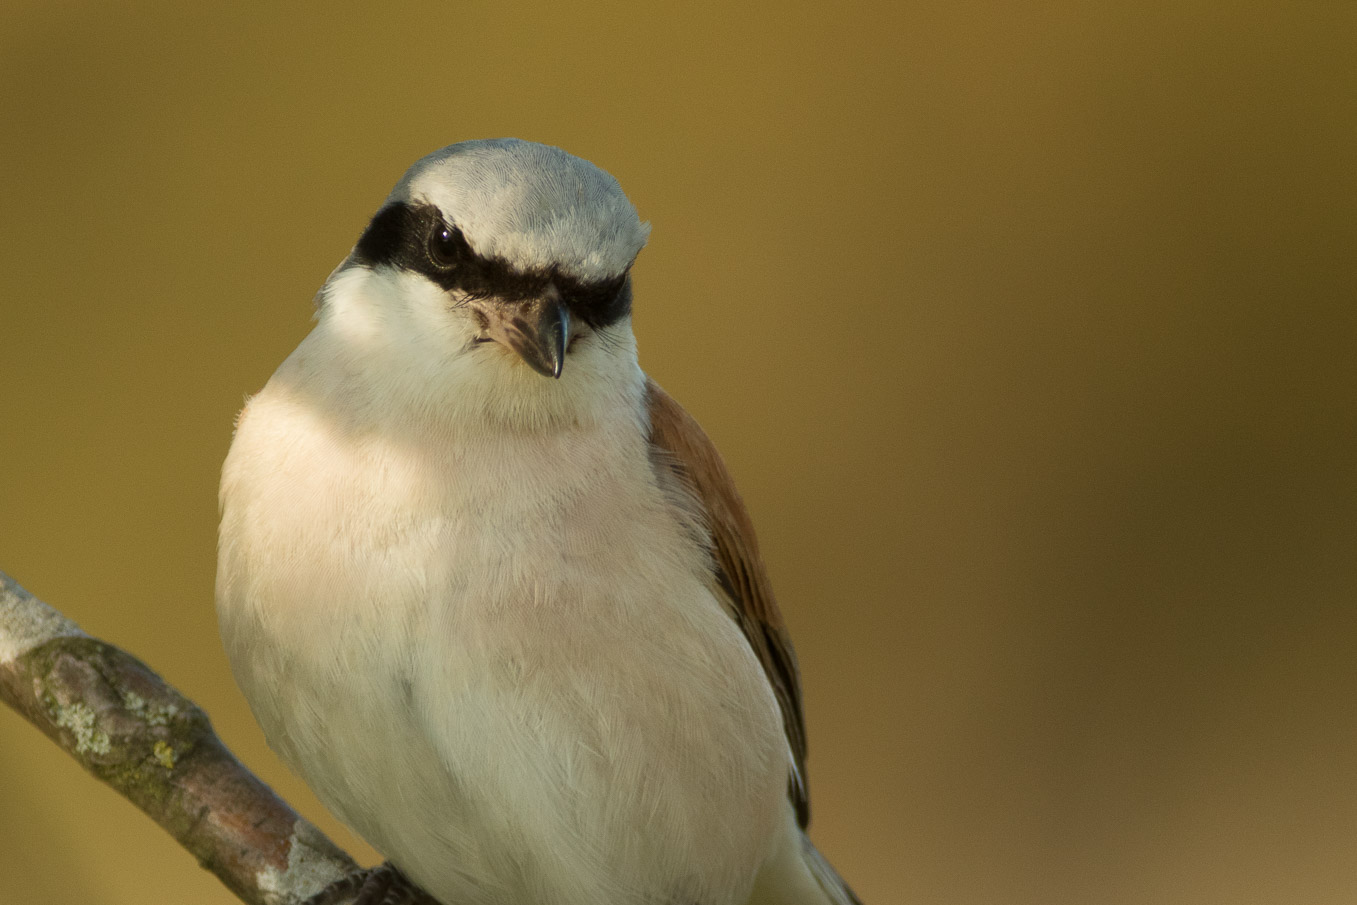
{"x":499,"y":263}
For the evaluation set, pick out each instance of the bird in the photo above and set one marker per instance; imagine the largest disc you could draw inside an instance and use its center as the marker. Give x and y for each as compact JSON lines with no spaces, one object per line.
{"x":490,"y":591}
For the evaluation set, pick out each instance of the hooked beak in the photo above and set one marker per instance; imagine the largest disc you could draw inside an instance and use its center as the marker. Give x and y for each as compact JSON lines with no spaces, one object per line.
{"x":538,"y":329}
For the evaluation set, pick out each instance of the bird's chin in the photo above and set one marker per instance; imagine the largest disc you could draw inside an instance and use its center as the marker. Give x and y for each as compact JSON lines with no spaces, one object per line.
{"x":502,"y":366}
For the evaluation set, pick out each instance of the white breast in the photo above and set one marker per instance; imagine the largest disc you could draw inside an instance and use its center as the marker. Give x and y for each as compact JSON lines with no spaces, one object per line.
{"x":498,"y":657}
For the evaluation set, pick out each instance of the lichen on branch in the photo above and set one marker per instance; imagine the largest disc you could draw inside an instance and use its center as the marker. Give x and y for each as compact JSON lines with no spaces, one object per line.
{"x":129,"y":728}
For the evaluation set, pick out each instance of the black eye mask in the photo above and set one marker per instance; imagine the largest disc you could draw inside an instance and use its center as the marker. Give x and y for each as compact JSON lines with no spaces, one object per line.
{"x":415,"y":237}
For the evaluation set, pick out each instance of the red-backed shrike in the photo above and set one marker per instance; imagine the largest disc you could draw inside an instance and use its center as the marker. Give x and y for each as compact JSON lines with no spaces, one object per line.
{"x":489,"y":590}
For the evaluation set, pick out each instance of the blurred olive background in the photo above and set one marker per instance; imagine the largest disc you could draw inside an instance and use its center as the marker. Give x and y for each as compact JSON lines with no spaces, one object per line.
{"x":1027,"y":330}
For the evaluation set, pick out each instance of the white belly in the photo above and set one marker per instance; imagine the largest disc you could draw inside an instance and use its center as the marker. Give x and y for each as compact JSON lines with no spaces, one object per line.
{"x":509,"y":675}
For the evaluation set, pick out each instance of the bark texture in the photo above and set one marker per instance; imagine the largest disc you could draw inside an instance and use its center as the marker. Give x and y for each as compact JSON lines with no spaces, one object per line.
{"x":130,"y":729}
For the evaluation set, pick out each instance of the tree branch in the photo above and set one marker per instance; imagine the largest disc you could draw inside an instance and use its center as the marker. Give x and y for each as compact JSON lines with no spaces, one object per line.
{"x":130,"y":729}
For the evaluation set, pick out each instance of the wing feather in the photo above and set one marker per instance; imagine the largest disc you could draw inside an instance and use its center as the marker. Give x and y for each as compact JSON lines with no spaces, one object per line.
{"x":740,"y":572}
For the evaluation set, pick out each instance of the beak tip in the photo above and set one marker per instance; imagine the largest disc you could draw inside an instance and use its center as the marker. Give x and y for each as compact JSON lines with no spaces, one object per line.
{"x":555,"y":354}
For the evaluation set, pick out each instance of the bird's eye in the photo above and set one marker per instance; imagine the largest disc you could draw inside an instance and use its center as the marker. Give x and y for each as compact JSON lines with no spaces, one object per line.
{"x":444,"y":244}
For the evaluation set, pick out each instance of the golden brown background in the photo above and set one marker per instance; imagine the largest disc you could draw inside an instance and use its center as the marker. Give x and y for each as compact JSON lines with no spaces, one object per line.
{"x":1027,"y":330}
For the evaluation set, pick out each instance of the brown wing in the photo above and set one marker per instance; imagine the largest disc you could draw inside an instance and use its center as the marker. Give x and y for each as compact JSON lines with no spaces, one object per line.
{"x":739,"y":568}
